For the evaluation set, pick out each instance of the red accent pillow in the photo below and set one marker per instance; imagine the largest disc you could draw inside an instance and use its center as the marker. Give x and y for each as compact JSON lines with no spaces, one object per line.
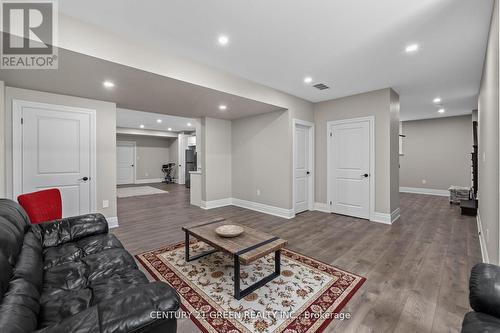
{"x":42,"y":206}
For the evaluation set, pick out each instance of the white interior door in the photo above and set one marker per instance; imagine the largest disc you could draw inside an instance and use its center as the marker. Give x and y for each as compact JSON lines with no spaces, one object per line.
{"x":183,"y":144}
{"x":302,"y":165}
{"x":350,"y":168}
{"x":125,"y":162}
{"x":53,"y":149}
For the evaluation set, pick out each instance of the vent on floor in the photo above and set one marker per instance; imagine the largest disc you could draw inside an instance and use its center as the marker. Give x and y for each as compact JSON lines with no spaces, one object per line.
{"x":321,"y":86}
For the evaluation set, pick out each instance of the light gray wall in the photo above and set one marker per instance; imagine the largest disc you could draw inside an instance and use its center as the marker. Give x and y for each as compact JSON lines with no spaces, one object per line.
{"x":437,"y":151}
{"x":489,"y":143}
{"x":216,"y":179}
{"x":375,"y":103}
{"x":261,"y":158}
{"x":105,"y":140}
{"x":151,"y":153}
{"x":394,"y":140}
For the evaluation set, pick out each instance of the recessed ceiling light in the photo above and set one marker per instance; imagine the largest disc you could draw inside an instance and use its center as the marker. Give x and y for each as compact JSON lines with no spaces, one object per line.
{"x":189,"y":124}
{"x":412,"y":48}
{"x":170,"y":128}
{"x":308,"y":79}
{"x":141,"y":126}
{"x":441,"y":110}
{"x":158,"y":121}
{"x":108,"y":84}
{"x":437,"y":100}
{"x":223,"y":40}
{"x":222,"y":107}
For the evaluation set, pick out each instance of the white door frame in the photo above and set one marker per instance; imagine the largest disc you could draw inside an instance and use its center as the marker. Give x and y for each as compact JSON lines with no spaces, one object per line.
{"x":17,"y":144}
{"x":134,"y":145}
{"x":310,"y":126}
{"x":182,"y":139}
{"x":329,"y":176}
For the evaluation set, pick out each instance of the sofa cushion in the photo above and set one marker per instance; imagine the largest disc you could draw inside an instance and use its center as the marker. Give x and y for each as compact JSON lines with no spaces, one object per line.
{"x":14,"y":223}
{"x":477,"y":322}
{"x":20,"y":305}
{"x":81,"y":274}
{"x":69,"y":252}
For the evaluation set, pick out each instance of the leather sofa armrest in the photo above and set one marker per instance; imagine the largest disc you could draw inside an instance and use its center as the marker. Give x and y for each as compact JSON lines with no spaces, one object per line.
{"x":484,"y":288}
{"x":70,"y":229}
{"x":134,"y":311}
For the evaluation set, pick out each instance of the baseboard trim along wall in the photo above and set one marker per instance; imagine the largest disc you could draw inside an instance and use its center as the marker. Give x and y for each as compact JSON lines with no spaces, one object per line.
{"x":288,"y":213}
{"x":112,"y":222}
{"x":216,"y":203}
{"x":386,"y":218}
{"x":377,"y":217}
{"x":255,"y":206}
{"x":321,"y":207}
{"x":147,"y":181}
{"x":259,"y":207}
{"x":482,"y":241}
{"x":428,"y":191}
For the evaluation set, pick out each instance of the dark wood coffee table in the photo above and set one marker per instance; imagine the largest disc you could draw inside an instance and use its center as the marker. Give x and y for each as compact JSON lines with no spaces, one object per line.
{"x":245,"y":249}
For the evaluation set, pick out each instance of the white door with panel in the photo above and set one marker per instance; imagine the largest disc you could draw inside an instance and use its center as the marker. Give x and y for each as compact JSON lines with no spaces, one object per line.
{"x":349,"y":165}
{"x":302,"y":168}
{"x":125,"y":162}
{"x":53,"y":149}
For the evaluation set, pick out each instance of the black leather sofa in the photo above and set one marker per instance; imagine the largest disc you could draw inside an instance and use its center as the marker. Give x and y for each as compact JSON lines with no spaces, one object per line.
{"x":484,"y":298}
{"x":71,"y":275}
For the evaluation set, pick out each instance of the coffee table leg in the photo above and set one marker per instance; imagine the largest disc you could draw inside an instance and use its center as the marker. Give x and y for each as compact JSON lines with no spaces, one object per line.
{"x":186,"y":245}
{"x":238,"y":293}
{"x":188,"y":258}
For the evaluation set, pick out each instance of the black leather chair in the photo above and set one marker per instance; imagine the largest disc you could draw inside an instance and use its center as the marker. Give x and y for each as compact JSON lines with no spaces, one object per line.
{"x":484,"y":298}
{"x":71,"y":275}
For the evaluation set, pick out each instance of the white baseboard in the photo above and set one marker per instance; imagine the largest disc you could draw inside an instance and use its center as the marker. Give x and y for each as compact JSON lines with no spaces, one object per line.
{"x":255,"y":206}
{"x":386,"y":218}
{"x":263,"y":208}
{"x":428,"y":191}
{"x":396,"y":214}
{"x":112,"y":222}
{"x":482,"y":240}
{"x":321,"y":207}
{"x":148,"y":181}
{"x":376,"y":217}
{"x":216,"y":203}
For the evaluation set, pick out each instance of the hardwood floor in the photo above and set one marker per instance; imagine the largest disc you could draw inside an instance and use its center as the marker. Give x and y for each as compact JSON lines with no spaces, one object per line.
{"x":417,"y":270}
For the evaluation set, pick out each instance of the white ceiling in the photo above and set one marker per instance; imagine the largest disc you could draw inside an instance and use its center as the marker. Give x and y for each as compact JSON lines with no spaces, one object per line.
{"x":134,"y":119}
{"x":134,"y":89}
{"x":351,"y":45}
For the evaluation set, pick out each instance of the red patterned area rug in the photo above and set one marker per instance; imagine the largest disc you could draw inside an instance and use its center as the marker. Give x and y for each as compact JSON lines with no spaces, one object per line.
{"x":306,"y":297}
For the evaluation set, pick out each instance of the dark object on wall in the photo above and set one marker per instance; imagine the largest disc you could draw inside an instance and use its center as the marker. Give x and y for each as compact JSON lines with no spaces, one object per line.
{"x":71,"y":275}
{"x":190,"y":164}
{"x":167,"y":171}
{"x":484,"y":298}
{"x":469,"y":207}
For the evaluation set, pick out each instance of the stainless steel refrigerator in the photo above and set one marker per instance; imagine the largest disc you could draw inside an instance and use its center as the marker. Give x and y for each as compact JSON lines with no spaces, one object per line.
{"x":190,"y":164}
